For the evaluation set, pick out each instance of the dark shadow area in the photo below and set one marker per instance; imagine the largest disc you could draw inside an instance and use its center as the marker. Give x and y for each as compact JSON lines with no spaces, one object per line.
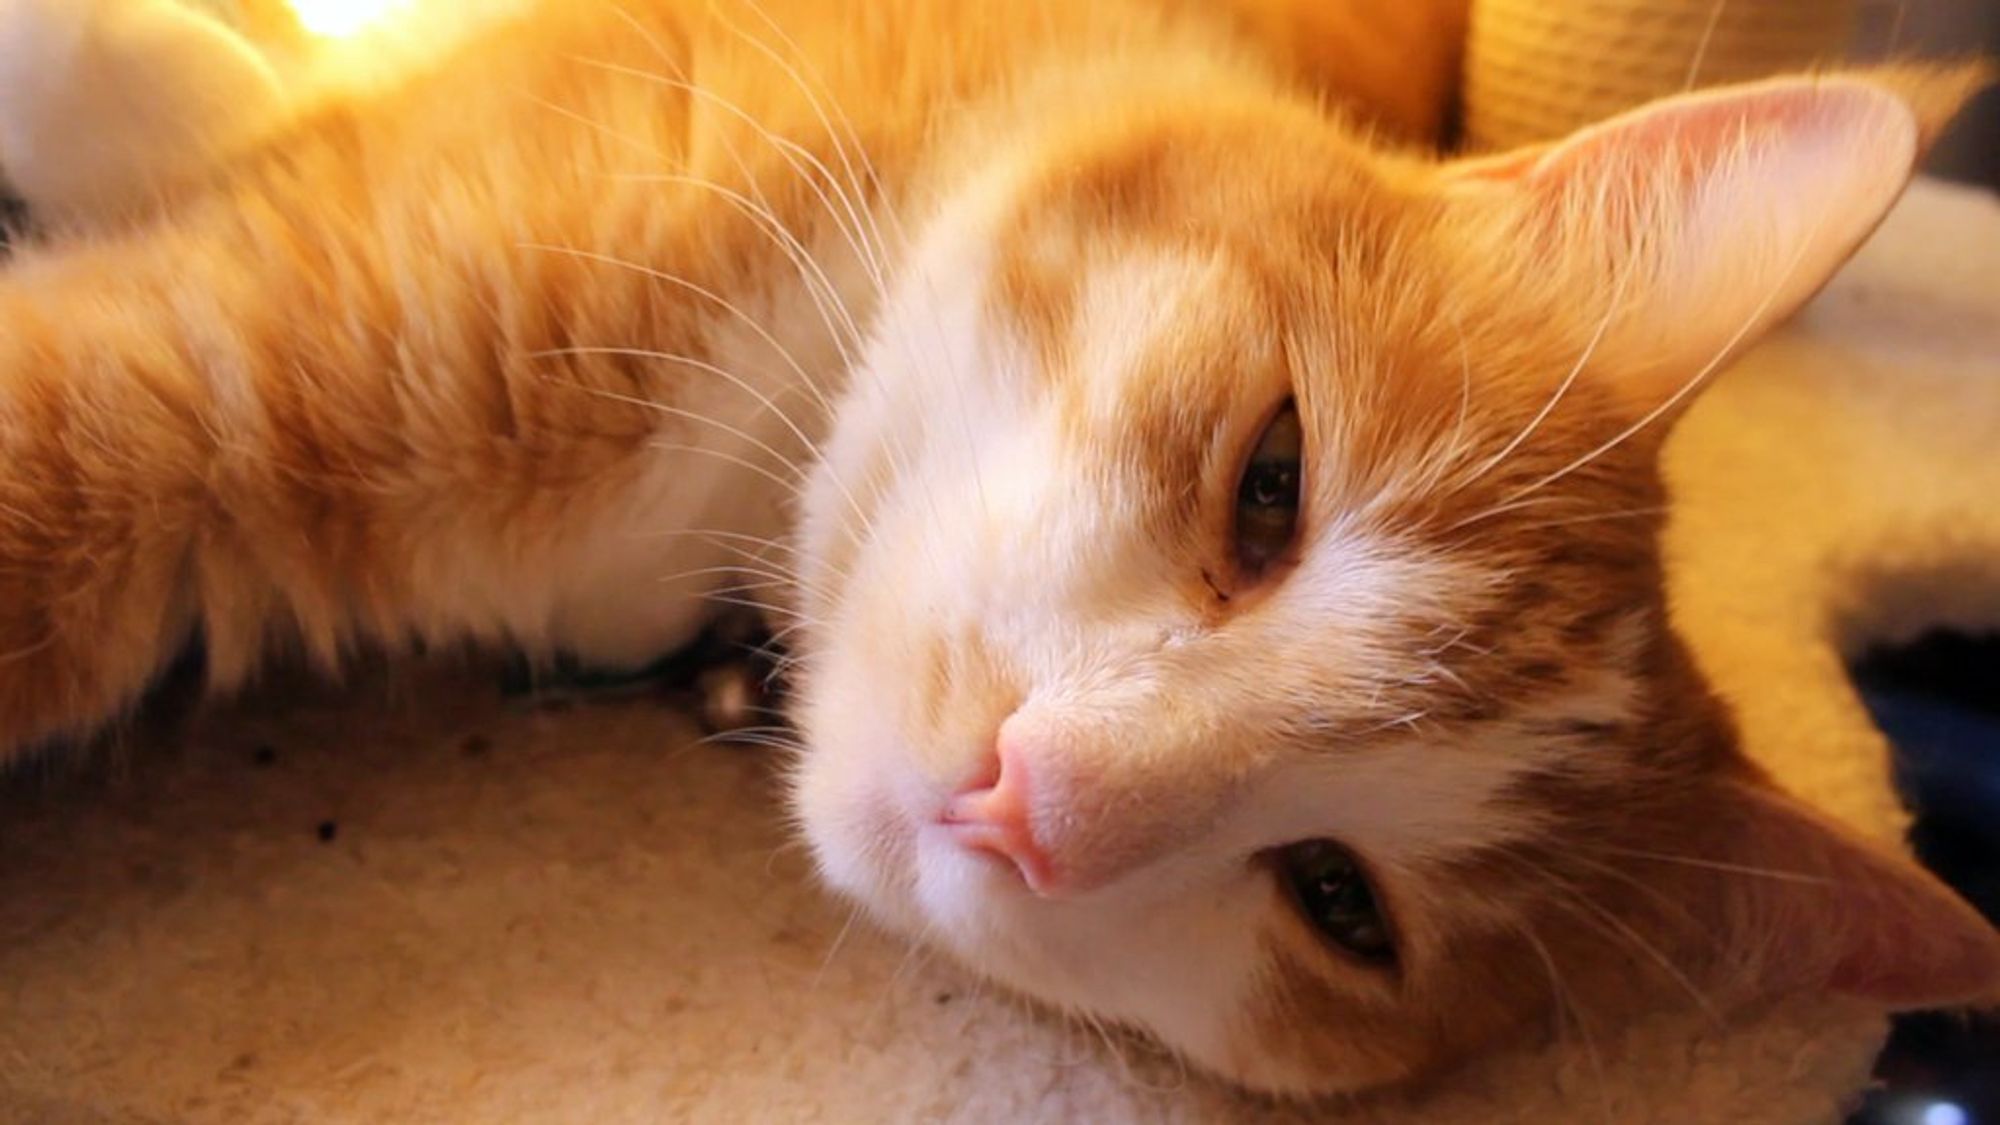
{"x":1938,"y":700}
{"x":1969,"y":151}
{"x":12,"y":217}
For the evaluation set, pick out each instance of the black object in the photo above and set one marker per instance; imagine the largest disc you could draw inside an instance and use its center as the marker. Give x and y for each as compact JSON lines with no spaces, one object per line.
{"x":13,"y":217}
{"x":1938,"y":700}
{"x":735,"y":644}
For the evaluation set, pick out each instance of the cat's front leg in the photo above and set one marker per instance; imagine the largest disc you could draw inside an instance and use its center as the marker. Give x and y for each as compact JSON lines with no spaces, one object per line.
{"x":403,"y":377}
{"x":101,"y":510}
{"x":197,"y":439}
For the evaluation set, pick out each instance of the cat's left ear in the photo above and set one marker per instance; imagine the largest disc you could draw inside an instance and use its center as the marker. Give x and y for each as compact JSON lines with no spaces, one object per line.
{"x":1699,"y":221}
{"x":1803,"y":903}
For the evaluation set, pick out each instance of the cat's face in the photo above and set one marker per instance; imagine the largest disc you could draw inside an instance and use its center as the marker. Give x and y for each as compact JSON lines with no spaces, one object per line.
{"x":1236,"y":612}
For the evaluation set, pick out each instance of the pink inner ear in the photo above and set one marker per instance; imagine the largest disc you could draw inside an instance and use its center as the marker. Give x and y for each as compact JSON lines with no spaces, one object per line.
{"x":1702,"y":132}
{"x":1867,"y":922}
{"x":1709,"y":216}
{"x":1891,"y":976}
{"x":1927,"y":947}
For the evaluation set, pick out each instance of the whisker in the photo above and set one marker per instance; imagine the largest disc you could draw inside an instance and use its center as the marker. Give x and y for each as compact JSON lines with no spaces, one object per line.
{"x":1569,"y":380}
{"x":1699,"y":378}
{"x":809,"y":267}
{"x":841,"y":149}
{"x":1576,"y":855}
{"x":1569,"y":1011}
{"x":1717,"y":865}
{"x":1701,"y":46}
{"x":771,"y":862}
{"x":703,"y":419}
{"x":751,"y":587}
{"x":819,"y":109}
{"x":771,"y":226}
{"x":755,"y":558}
{"x":1571,"y":899}
{"x":763,"y":607}
{"x":743,"y":546}
{"x":723,"y":568}
{"x":712,"y":369}
{"x":833,"y":950}
{"x":820,"y":289}
{"x":791,"y":486}
{"x":1597,"y":517}
{"x":781,"y":145}
{"x":780,"y":745}
{"x":598,"y":127}
{"x":1441,"y":461}
{"x":1506,"y":508}
{"x":793,"y":153}
{"x":738,"y":536}
{"x":752,"y":323}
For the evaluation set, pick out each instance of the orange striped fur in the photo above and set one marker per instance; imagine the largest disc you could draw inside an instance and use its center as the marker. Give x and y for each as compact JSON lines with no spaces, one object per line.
{"x":953,"y":323}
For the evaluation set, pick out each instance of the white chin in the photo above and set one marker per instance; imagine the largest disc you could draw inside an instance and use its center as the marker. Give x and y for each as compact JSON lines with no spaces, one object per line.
{"x":848,"y":825}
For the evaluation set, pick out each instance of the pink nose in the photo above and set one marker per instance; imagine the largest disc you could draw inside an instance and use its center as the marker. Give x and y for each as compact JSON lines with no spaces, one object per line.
{"x":994,"y":814}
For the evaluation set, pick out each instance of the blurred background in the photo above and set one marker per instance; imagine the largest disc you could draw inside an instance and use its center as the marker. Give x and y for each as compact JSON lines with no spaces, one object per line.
{"x":1537,"y":69}
{"x":1971,"y":151}
{"x":1939,"y":700}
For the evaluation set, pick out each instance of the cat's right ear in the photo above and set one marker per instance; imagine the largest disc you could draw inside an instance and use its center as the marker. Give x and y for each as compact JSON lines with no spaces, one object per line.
{"x":1698,"y":221}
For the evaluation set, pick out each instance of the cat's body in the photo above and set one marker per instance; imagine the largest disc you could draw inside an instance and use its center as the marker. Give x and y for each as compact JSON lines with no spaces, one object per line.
{"x":387,"y":291}
{"x":452,"y":479}
{"x":534,"y":349}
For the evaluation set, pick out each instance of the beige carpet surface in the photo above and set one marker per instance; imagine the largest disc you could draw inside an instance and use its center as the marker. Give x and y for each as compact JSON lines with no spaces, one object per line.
{"x":414,"y":901}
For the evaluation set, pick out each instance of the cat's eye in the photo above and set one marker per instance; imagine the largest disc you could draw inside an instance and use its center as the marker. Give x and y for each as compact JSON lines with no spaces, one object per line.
{"x":1333,"y":894}
{"x":1267,"y":498}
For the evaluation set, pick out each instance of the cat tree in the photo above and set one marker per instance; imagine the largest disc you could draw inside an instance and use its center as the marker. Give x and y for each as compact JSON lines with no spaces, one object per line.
{"x":1536,"y":69}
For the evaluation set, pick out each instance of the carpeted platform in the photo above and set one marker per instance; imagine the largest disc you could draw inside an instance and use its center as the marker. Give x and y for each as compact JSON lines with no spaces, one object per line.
{"x":419,"y":900}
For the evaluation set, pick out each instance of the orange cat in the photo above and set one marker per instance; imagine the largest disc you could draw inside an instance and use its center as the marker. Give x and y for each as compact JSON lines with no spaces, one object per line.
{"x":1216,"y":550}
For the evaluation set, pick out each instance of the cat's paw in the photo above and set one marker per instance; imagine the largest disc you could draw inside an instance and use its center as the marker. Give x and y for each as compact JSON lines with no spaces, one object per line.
{"x":730,"y":679}
{"x":104,"y":104}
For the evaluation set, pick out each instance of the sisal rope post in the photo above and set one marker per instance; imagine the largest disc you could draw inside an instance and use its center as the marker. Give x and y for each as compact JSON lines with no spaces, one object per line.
{"x":1537,"y":69}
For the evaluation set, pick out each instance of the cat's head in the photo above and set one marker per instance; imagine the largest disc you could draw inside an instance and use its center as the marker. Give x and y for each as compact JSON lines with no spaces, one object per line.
{"x":1235,"y":602}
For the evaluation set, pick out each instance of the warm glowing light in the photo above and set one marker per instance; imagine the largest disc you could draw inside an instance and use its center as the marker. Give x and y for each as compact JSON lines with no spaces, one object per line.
{"x":343,"y":17}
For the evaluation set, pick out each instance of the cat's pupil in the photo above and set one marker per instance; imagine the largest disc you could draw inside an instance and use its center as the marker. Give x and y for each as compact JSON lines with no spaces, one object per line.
{"x":1274,"y":485}
{"x":1334,"y":896}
